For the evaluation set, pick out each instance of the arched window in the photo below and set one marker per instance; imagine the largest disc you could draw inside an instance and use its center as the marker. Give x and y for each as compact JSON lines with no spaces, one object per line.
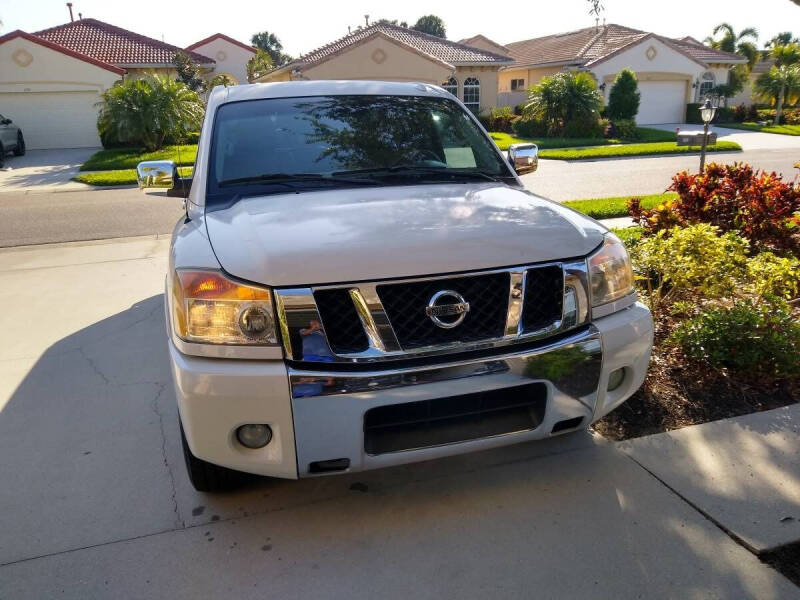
{"x":472,"y":94}
{"x":706,"y":86}
{"x":451,"y":85}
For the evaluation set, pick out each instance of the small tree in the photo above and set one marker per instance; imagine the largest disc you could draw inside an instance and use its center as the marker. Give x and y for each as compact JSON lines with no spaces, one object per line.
{"x":432,"y":25}
{"x":221,"y":79}
{"x":563,"y":98}
{"x":269,"y":43}
{"x":149,"y":112}
{"x":258,"y":65}
{"x":624,"y":97}
{"x":188,"y":72}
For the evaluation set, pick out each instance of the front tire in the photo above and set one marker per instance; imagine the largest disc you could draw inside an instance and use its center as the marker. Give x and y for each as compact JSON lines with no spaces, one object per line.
{"x":20,"y":149}
{"x":208,"y":477}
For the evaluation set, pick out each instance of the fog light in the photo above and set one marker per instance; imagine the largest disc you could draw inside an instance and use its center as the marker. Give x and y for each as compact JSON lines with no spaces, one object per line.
{"x":615,"y":379}
{"x":254,"y":435}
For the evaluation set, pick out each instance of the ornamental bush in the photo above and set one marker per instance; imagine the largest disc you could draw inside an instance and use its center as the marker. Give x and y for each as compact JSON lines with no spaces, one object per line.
{"x":771,"y":275}
{"x":500,"y":119}
{"x":761,"y":206}
{"x":756,"y":338}
{"x":624,"y":97}
{"x":625,"y":129}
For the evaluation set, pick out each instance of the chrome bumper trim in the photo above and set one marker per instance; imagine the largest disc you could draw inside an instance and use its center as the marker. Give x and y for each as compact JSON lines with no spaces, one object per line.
{"x":572,"y":365}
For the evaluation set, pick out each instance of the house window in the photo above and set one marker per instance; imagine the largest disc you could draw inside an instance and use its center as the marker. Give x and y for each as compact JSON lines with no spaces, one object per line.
{"x":451,"y":85}
{"x":472,"y":94}
{"x":705,"y":90}
{"x":517,"y":84}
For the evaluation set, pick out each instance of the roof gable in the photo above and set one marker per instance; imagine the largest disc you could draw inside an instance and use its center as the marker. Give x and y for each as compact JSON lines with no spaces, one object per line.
{"x":593,"y":45}
{"x":220,"y":36}
{"x":114,"y":45}
{"x":47,"y":44}
{"x":437,"y":48}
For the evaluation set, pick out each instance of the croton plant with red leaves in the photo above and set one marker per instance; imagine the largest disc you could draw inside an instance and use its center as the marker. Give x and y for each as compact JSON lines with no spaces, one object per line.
{"x":761,"y":206}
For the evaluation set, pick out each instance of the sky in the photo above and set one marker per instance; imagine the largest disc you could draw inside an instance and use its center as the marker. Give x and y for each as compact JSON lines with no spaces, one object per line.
{"x":303,"y":26}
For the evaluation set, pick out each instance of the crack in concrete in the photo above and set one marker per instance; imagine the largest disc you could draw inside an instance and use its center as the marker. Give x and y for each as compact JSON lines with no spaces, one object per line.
{"x":94,"y":367}
{"x":179,"y":521}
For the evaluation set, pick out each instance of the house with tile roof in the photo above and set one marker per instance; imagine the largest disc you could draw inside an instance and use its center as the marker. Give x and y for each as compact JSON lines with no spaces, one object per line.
{"x":671,"y":72}
{"x":52,"y":80}
{"x":392,"y":53}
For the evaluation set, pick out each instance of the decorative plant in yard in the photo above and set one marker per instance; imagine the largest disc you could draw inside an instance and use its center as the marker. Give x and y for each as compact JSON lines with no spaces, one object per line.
{"x":259,"y":64}
{"x":761,"y":206}
{"x":782,"y":81}
{"x":149,"y":112}
{"x":562,"y":98}
{"x":624,"y":97}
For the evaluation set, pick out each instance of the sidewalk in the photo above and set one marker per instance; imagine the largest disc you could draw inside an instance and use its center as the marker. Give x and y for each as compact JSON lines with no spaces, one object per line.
{"x":96,"y":503}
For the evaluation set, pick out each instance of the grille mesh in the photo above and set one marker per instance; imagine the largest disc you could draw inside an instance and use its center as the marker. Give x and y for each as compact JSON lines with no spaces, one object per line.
{"x":340,"y":321}
{"x":405,"y":305}
{"x":544,"y":297}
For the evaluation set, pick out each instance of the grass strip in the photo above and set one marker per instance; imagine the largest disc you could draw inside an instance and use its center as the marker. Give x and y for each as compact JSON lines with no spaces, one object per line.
{"x":127,"y":158}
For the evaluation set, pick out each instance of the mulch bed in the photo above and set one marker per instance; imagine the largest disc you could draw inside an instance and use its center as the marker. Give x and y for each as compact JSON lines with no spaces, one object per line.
{"x":679,"y":392}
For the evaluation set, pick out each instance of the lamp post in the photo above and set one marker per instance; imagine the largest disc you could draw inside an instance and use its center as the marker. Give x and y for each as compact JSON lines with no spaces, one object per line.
{"x":707,"y":115}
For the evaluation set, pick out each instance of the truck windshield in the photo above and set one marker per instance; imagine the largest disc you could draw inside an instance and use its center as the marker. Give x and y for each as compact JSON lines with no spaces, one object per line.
{"x":266,"y":146}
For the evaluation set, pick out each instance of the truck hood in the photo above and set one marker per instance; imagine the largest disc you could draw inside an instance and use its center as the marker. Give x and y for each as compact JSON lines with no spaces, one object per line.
{"x":335,"y":236}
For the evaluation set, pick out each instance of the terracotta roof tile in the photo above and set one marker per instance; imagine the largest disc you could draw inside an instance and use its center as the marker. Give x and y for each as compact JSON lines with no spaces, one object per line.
{"x":113,"y":45}
{"x":441,"y":49}
{"x":593,"y":44}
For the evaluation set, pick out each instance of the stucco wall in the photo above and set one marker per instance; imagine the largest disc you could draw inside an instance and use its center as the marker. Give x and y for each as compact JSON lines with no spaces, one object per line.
{"x":382,"y":59}
{"x":488,"y":79}
{"x":531,"y":76}
{"x":230,"y":58}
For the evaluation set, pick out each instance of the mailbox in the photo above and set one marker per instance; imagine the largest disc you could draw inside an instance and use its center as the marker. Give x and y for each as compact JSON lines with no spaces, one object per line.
{"x":695,"y":138}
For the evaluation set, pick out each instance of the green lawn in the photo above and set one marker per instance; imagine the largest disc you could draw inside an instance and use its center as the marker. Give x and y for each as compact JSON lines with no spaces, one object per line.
{"x":504,"y":140}
{"x":632,"y":150}
{"x":610,"y":208}
{"x":118,"y":177}
{"x":780,"y":129}
{"x":128,"y":158}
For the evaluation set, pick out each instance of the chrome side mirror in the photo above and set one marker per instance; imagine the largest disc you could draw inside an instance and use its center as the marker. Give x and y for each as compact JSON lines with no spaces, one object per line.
{"x":157,"y":174}
{"x":524,"y":157}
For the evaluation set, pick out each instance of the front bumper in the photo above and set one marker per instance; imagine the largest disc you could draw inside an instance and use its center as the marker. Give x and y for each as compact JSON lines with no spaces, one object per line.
{"x":319,"y":415}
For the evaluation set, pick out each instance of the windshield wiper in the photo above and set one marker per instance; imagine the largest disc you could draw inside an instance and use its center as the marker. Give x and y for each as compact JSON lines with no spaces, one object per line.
{"x":416,"y":170}
{"x":290,"y":178}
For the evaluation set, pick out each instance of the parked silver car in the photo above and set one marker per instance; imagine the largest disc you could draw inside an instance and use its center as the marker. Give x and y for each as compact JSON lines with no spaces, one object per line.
{"x":11,"y":139}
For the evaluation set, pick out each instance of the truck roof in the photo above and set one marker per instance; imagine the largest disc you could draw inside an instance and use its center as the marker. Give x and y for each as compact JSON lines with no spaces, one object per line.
{"x":290,"y":89}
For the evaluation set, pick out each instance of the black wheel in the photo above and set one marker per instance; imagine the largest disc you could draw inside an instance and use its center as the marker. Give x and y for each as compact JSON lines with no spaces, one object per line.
{"x":2,"y":156}
{"x":207,"y":477}
{"x":20,"y":149}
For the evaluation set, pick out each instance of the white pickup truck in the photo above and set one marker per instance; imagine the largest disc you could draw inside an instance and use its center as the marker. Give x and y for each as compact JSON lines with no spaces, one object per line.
{"x":361,"y":280}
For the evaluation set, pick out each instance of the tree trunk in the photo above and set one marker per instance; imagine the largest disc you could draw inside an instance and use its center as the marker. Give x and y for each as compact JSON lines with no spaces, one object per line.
{"x":779,"y":106}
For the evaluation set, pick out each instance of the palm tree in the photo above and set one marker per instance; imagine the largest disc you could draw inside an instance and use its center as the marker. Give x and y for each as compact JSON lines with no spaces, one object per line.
{"x":782,"y":81}
{"x":149,"y":111}
{"x":221,"y":79}
{"x":562,"y":98}
{"x":782,"y":39}
{"x":742,"y":43}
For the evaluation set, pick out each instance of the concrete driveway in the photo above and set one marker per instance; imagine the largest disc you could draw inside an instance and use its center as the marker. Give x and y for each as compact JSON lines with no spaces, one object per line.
{"x":95,"y":503}
{"x":748,"y":140}
{"x":44,"y":170}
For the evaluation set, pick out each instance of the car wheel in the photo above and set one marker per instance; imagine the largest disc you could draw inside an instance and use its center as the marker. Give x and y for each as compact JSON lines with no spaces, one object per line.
{"x":207,"y":477}
{"x":2,"y":156}
{"x":20,"y":149}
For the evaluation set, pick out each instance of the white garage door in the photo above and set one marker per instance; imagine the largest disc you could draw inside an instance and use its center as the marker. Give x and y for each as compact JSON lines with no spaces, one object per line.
{"x":661,"y":102}
{"x":54,"y":119}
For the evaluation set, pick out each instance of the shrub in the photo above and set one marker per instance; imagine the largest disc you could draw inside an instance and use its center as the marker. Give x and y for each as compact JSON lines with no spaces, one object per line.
{"x":771,"y":275}
{"x":724,"y":114}
{"x":529,"y":128}
{"x":752,"y":113}
{"x":500,"y":119}
{"x":588,"y":128}
{"x":564,"y":97}
{"x":761,"y":339}
{"x":626,"y":129}
{"x":740,"y":113}
{"x":148,"y":112}
{"x":761,"y":206}
{"x":689,"y":259}
{"x":624,"y":97}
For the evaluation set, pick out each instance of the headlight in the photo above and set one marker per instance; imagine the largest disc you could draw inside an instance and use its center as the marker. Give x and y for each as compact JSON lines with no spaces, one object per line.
{"x":210,"y":309}
{"x":610,"y":273}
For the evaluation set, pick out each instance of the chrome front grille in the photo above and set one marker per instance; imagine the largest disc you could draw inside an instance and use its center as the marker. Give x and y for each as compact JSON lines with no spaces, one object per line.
{"x":391,"y":320}
{"x":405,"y":305}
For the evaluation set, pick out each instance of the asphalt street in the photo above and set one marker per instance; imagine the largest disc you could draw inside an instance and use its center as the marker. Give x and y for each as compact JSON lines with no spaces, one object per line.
{"x":38,"y":218}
